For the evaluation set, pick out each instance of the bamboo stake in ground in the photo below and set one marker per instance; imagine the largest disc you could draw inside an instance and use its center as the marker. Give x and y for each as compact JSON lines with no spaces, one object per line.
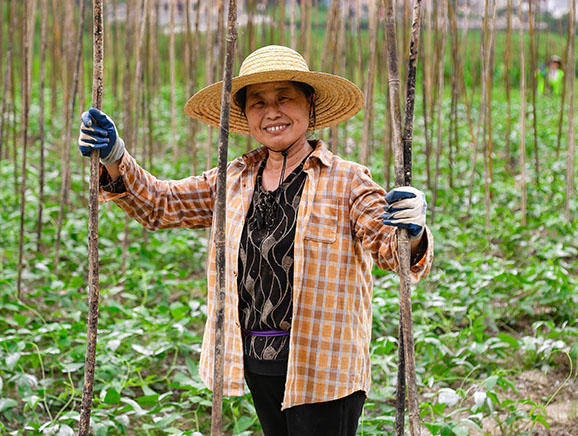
{"x":7,"y":83}
{"x":486,"y":105}
{"x":293,"y":25}
{"x":220,"y":223}
{"x":440,"y":89}
{"x":93,"y":286}
{"x":368,"y":91}
{"x":533,"y":83}
{"x":522,"y":115}
{"x":570,"y":76}
{"x":507,"y":63}
{"x":27,"y":73}
{"x":70,"y":110}
{"x":43,"y":45}
{"x":402,"y":174}
{"x":407,"y":378}
{"x":172,"y":67}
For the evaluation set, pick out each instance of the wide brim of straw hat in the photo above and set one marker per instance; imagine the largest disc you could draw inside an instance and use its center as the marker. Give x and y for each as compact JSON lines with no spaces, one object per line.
{"x":336,"y":98}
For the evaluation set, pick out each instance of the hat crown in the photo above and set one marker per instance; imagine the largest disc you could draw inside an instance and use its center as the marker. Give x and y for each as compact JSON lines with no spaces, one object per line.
{"x":273,"y":58}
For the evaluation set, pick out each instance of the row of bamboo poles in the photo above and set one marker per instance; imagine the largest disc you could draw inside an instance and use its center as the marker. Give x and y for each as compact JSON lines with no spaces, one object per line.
{"x":45,"y":59}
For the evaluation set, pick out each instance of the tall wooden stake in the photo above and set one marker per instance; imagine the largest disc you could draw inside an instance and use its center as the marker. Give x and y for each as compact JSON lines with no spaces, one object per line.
{"x":571,"y":77}
{"x":402,"y":167}
{"x":522,"y":116}
{"x":365,"y":152}
{"x":43,"y":47}
{"x":93,"y":286}
{"x":440,"y":89}
{"x":220,"y":223}
{"x":69,"y":111}
{"x":29,"y":23}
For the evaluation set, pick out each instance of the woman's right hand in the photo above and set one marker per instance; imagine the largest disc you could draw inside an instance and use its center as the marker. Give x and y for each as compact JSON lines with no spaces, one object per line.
{"x":98,"y":131}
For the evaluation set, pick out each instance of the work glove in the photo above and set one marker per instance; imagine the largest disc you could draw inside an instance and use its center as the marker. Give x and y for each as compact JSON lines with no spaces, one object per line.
{"x":97,"y":131}
{"x":406,"y":209}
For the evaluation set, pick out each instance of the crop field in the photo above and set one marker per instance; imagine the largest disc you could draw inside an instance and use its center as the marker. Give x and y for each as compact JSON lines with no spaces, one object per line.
{"x":495,"y":323}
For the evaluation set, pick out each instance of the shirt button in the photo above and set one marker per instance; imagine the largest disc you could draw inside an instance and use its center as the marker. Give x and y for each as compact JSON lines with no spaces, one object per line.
{"x":235,"y":273}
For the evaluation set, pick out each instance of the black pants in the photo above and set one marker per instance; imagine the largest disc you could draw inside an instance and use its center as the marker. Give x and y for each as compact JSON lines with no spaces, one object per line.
{"x":331,"y":418}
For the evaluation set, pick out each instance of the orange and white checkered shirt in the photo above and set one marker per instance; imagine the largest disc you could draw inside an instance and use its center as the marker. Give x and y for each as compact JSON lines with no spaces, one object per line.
{"x":339,"y":234}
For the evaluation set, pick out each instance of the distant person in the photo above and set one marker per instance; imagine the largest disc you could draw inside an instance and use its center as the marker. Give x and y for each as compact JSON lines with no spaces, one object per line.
{"x":302,"y":228}
{"x":551,"y":77}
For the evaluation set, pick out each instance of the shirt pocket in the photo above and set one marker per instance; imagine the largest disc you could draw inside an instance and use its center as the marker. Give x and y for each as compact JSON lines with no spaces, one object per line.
{"x":322,"y":226}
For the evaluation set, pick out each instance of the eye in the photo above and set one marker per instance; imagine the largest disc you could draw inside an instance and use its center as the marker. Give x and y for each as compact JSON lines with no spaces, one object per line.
{"x":257,"y":103}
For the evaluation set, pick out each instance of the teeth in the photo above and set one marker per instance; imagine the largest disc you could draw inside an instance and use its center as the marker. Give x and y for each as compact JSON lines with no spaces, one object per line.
{"x":275,"y":128}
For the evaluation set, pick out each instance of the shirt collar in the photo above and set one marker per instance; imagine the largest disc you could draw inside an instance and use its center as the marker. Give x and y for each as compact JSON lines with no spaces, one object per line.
{"x":321,"y":152}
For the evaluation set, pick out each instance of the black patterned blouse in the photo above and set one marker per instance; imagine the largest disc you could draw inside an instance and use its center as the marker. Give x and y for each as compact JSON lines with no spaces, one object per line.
{"x":265,"y":280}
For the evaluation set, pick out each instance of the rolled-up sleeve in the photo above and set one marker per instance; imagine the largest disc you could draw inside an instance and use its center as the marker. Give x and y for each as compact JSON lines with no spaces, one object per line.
{"x":367,"y":201}
{"x":159,"y":204}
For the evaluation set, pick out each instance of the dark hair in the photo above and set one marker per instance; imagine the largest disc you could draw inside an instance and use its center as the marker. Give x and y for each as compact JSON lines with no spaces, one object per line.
{"x":240,"y":99}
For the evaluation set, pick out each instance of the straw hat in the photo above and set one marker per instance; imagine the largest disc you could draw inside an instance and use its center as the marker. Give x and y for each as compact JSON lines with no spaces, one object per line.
{"x":336,"y":98}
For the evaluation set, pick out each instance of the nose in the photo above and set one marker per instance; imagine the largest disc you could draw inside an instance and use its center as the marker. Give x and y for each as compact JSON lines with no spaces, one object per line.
{"x":272,"y":110}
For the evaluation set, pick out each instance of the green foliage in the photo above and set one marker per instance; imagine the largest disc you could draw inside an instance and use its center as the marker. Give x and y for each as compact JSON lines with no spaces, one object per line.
{"x":497,"y":303}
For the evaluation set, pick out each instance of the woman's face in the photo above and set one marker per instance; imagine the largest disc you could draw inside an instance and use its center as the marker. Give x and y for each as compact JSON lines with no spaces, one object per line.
{"x":277,"y":114}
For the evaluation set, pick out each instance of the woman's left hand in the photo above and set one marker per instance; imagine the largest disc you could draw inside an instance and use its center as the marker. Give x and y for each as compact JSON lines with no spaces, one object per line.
{"x":406,"y":209}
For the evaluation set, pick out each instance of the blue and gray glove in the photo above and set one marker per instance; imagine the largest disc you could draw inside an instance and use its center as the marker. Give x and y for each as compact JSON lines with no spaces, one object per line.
{"x":406,"y":209}
{"x":97,"y":131}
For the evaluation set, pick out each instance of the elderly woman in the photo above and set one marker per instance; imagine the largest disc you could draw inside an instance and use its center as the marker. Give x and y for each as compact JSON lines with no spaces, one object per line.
{"x":303,"y":226}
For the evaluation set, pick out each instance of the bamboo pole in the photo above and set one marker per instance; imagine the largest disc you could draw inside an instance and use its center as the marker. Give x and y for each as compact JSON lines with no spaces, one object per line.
{"x":426,"y":98}
{"x":563,"y":96}
{"x":7,"y":82}
{"x":293,"y":24}
{"x":281,"y":22}
{"x":114,"y":41}
{"x":440,"y":89}
{"x":93,"y":286}
{"x":453,"y":128}
{"x":406,"y":365}
{"x":368,"y":91}
{"x":486,"y":102}
{"x":15,"y":18}
{"x":507,"y":63}
{"x":333,"y":61}
{"x":571,"y":77}
{"x":173,"y":81}
{"x":307,"y":11}
{"x":262,"y":7}
{"x":192,"y":42}
{"x":41,"y":104}
{"x":127,"y":113}
{"x":533,"y":83}
{"x":402,"y":177}
{"x":25,"y":112}
{"x":523,"y":180}
{"x":220,"y":36}
{"x":141,"y":19}
{"x":209,"y":75}
{"x":152,"y":78}
{"x":220,"y":223}
{"x":70,"y":110}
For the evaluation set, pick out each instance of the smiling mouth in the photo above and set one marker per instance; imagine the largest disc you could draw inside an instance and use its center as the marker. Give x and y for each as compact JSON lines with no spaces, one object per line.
{"x":277,"y":128}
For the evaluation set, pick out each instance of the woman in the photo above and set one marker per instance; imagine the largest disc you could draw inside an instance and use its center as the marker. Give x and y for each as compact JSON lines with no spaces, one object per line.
{"x":551,"y":77}
{"x":302,"y":228}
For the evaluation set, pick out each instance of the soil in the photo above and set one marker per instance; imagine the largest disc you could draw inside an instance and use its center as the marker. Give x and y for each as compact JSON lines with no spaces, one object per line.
{"x":555,"y":390}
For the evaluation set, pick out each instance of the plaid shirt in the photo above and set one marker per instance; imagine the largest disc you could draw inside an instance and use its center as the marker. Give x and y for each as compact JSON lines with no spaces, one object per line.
{"x":339,"y":231}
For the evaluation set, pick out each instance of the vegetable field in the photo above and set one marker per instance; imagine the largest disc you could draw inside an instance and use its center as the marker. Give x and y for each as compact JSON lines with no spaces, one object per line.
{"x":495,"y":323}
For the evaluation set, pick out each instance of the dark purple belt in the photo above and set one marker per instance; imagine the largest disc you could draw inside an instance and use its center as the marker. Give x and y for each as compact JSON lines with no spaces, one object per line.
{"x":266,"y":333}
